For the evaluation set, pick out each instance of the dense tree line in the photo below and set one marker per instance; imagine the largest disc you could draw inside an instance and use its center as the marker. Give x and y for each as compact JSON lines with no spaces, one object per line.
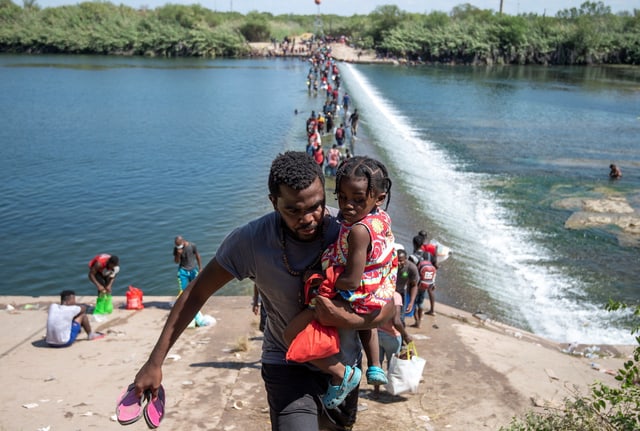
{"x":584,"y":35}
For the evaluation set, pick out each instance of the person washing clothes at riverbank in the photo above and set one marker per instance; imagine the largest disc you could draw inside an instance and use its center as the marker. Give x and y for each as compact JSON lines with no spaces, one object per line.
{"x":103,"y":270}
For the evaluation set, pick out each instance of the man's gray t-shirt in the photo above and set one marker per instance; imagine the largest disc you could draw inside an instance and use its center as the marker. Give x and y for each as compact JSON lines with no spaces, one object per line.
{"x":255,"y":251}
{"x":188,"y":259}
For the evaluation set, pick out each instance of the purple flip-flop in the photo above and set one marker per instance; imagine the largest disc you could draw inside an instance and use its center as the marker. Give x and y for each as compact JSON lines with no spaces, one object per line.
{"x":154,"y":410}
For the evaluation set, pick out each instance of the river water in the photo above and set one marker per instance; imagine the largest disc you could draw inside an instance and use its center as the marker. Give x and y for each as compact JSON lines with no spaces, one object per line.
{"x":119,"y":155}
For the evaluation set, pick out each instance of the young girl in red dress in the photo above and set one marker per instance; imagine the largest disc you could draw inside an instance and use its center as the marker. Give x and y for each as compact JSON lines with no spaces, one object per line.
{"x":364,"y":265}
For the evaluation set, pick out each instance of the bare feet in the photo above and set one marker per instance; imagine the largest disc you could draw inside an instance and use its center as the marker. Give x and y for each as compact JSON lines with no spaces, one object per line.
{"x":430,"y":313}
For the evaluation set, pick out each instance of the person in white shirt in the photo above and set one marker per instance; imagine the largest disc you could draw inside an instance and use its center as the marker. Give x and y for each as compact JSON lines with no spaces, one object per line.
{"x":65,"y":320}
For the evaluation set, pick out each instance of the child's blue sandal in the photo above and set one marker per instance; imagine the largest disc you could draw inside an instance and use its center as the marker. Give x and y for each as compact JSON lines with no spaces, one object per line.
{"x":335,"y":395}
{"x":376,"y":376}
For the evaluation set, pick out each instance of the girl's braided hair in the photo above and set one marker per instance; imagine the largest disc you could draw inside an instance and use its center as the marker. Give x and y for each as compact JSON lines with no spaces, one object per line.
{"x":375,"y":172}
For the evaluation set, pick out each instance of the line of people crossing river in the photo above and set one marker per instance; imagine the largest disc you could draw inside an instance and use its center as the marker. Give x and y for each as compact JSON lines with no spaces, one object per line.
{"x":334,"y":122}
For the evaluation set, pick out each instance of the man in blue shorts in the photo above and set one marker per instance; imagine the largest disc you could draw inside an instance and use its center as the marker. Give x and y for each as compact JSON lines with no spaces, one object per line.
{"x":65,"y":320}
{"x":275,"y":251}
{"x":186,"y":255}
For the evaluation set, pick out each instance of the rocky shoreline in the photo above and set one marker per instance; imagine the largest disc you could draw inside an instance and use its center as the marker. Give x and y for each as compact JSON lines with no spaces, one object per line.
{"x":610,"y":211}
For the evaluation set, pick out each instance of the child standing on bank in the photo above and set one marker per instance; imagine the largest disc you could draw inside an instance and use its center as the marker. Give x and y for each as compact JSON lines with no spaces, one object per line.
{"x":365,"y":259}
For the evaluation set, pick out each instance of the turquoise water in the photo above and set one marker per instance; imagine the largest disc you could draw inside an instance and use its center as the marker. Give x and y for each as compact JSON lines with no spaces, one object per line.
{"x":120,"y":155}
{"x":486,"y":152}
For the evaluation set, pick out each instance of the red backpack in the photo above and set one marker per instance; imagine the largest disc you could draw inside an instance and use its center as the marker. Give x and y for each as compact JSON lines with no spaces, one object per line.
{"x":427,"y":274}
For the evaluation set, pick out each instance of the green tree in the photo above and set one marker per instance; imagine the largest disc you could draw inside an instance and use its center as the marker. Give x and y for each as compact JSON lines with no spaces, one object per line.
{"x":588,"y":34}
{"x":9,"y":11}
{"x":255,"y":27}
{"x":586,"y":9}
{"x":383,"y":20}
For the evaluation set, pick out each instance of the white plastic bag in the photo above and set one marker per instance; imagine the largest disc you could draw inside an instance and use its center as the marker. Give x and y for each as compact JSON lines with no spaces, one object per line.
{"x":404,"y":374}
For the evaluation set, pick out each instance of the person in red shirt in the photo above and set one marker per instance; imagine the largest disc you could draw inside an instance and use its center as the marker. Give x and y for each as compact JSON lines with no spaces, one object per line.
{"x":429,"y":247}
{"x":103,"y":269}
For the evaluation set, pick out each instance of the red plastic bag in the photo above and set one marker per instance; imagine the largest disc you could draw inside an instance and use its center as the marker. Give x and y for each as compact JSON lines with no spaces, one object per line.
{"x":325,"y":284}
{"x":315,"y":341}
{"x":134,"y":299}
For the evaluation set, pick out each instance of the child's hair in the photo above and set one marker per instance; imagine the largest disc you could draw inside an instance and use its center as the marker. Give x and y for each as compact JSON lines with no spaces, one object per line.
{"x":365,"y":167}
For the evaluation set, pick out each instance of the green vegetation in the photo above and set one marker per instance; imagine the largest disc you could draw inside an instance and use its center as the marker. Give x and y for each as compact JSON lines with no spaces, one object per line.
{"x":585,"y":35}
{"x":605,"y":409}
{"x":103,"y":28}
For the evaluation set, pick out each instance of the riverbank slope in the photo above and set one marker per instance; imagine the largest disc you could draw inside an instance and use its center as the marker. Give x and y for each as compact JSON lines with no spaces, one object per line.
{"x":478,"y":372}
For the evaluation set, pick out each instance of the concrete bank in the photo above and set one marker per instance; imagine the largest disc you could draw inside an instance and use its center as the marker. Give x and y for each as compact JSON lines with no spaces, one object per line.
{"x":478,"y":372}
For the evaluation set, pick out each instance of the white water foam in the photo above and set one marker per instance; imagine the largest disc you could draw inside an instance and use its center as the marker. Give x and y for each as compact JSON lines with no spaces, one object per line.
{"x":501,"y":258}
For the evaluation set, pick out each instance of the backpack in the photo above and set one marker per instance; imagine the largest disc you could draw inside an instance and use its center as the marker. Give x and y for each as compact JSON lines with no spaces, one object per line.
{"x":427,"y":274}
{"x":419,"y":255}
{"x":426,"y":269}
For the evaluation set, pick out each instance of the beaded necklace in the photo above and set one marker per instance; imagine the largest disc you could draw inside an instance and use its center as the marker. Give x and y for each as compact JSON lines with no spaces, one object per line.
{"x":285,"y":259}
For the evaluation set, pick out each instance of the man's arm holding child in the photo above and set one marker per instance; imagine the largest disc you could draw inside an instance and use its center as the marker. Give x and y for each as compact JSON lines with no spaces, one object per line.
{"x":340,"y":315}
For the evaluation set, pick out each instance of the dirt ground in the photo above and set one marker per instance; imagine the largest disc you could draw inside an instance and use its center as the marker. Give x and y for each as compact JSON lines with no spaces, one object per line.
{"x":339,"y":51}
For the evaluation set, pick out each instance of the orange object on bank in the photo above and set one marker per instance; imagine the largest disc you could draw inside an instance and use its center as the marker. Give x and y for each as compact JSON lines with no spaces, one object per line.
{"x":134,"y":299}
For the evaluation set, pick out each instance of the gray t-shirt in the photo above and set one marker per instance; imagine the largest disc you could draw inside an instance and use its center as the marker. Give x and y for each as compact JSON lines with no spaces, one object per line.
{"x":188,"y":259}
{"x":255,"y":251}
{"x":408,"y":272}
